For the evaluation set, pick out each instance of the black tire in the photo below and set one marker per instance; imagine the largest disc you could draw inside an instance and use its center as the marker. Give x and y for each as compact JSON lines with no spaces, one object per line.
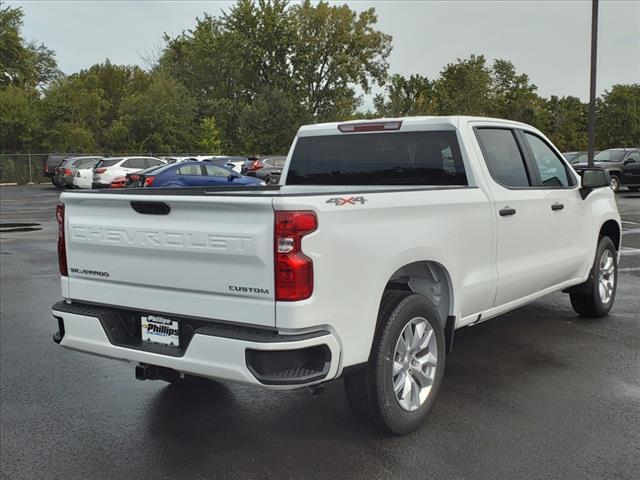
{"x":591,"y":304}
{"x":370,"y":389}
{"x":614,"y":183}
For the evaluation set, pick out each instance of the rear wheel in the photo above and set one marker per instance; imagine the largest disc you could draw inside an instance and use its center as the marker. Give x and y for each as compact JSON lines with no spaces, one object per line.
{"x":599,"y":299}
{"x":399,"y":384}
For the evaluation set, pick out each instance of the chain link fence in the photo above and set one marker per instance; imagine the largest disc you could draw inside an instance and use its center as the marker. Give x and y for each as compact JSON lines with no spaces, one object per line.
{"x":26,"y":168}
{"x":23,"y":168}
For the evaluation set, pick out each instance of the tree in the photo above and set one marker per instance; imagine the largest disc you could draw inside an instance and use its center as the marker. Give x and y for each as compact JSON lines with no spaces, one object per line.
{"x":209,"y":136}
{"x":23,"y":64}
{"x":564,"y":120}
{"x":407,"y":96}
{"x":512,"y":96}
{"x":335,"y":49}
{"x":618,"y":117}
{"x":161,"y":119}
{"x":308,"y":56}
{"x":21,"y":127}
{"x":464,"y":87}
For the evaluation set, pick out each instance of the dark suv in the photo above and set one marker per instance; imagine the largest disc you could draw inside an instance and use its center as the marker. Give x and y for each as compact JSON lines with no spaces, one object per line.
{"x":623,"y":165}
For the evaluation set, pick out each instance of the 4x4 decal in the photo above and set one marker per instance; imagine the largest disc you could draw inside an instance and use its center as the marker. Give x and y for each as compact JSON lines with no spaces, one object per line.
{"x":339,"y":201}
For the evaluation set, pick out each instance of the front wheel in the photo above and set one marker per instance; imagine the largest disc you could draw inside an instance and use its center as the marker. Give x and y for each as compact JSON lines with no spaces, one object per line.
{"x":399,"y":384}
{"x":599,"y":300}
{"x":614,"y":183}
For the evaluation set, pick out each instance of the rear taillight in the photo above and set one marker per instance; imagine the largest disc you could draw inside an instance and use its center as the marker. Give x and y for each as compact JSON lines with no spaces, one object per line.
{"x":62,"y":249}
{"x":257,"y":165}
{"x":148,"y":181}
{"x":101,"y":170}
{"x":293,"y":269}
{"x":67,"y":172}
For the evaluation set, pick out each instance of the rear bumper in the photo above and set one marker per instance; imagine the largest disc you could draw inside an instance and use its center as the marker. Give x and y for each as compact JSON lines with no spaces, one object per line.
{"x":213,"y":350}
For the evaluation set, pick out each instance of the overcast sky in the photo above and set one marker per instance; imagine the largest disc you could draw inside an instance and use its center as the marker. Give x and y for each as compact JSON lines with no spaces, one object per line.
{"x":548,"y":40}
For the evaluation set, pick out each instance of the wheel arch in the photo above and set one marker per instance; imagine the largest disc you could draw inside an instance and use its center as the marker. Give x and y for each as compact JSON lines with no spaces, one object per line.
{"x":611,"y":229}
{"x":431,"y":279}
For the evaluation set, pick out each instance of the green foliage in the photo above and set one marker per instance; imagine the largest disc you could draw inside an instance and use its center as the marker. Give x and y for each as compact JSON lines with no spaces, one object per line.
{"x":243,"y":82}
{"x":463,"y":87}
{"x":407,"y":96}
{"x":22,"y":63}
{"x":209,"y":136}
{"x":565,"y":122}
{"x":307,"y":57}
{"x":21,"y":127}
{"x":161,"y":118}
{"x":618,"y":118}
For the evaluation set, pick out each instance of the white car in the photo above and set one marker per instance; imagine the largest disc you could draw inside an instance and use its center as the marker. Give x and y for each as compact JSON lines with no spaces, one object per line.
{"x":83,"y":178}
{"x":107,"y":170}
{"x":382,"y":239}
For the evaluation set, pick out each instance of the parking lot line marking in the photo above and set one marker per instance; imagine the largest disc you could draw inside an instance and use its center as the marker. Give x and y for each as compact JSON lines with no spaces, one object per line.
{"x":632,"y":231}
{"x":629,"y":269}
{"x":629,"y":251}
{"x":629,"y":221}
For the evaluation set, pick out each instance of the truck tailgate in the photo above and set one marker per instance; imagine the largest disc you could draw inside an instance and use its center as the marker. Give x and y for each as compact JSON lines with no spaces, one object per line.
{"x":209,"y":256}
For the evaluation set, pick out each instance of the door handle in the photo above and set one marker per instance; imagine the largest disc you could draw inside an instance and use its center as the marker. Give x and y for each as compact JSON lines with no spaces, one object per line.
{"x":507,"y":211}
{"x":557,"y":206}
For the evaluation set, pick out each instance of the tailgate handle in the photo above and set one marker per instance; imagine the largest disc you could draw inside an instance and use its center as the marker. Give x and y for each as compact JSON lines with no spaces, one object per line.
{"x":151,"y":208}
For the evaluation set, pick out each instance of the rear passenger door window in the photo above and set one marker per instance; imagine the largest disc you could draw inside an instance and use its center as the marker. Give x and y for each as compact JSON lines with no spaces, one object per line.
{"x":190,"y":170}
{"x":503,"y":157}
{"x":552,"y":170}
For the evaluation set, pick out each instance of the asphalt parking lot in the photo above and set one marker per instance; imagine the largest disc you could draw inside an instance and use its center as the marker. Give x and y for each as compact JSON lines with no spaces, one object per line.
{"x":537,"y":393}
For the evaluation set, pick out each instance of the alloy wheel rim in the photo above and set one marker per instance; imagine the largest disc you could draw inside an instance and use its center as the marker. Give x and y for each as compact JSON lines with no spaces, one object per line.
{"x":613,"y":183}
{"x":606,"y":276}
{"x":414,"y":364}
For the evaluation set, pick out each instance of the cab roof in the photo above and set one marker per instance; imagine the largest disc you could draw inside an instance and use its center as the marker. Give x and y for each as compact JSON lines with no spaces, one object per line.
{"x":407,"y":124}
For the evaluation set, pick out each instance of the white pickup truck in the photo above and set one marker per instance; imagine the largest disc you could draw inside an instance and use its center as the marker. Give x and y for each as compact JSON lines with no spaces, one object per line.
{"x":382,"y":238}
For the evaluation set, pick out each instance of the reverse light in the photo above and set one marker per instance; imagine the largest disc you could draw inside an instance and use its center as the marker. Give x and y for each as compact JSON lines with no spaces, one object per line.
{"x":369,"y":126}
{"x":62,"y":249}
{"x":293,"y":269}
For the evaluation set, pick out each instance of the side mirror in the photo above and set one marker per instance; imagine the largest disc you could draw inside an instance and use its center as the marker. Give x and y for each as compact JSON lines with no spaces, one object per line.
{"x":593,"y":178}
{"x":630,"y":160}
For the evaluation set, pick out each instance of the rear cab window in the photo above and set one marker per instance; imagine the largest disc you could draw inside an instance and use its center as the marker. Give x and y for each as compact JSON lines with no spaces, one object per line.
{"x":503,"y":157}
{"x":389,"y":158}
{"x":519,"y":158}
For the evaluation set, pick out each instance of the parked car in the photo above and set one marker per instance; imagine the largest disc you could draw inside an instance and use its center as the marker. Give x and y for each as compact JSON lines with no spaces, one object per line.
{"x":623,"y":165}
{"x":66,"y":172}
{"x":109,"y":169}
{"x":193,"y":174}
{"x":132,"y":179}
{"x":235,"y":163}
{"x":575,"y":157}
{"x":267,"y":169}
{"x":83,"y":178}
{"x":53,"y":161}
{"x":383,"y":239}
{"x":118,"y":182}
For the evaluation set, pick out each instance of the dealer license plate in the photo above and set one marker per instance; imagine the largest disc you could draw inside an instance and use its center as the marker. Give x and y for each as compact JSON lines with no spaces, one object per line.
{"x":162,"y":330}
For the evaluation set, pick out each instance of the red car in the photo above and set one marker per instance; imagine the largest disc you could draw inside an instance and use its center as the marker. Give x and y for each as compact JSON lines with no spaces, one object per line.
{"x":118,"y":182}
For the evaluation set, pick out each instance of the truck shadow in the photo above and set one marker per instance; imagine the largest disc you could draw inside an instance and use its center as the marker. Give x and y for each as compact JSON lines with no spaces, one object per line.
{"x":247,"y":431}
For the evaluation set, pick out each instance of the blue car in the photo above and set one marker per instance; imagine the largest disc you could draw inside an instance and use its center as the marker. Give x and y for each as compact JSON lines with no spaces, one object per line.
{"x":190,"y":174}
